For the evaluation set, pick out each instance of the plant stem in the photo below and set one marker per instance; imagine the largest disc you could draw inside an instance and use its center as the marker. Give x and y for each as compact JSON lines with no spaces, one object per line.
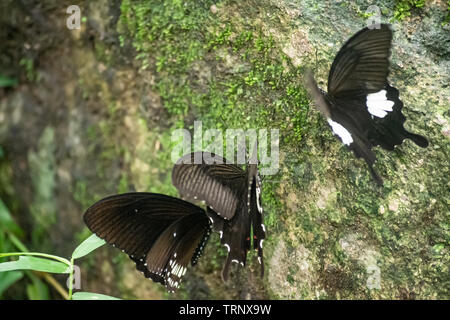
{"x":55,"y":284}
{"x":70,"y":279}
{"x":17,"y":242}
{"x":60,"y":259}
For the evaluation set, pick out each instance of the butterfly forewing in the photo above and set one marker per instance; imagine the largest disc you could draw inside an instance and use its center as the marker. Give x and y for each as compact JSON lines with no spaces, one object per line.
{"x":362,"y":64}
{"x":219,"y":184}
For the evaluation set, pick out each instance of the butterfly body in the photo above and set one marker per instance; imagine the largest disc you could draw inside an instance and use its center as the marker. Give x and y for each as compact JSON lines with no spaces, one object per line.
{"x":361,"y":107}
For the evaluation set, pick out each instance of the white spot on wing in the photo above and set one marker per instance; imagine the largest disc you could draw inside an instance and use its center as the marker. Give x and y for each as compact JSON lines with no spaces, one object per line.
{"x":378,"y":105}
{"x":339,"y":130}
{"x":258,"y":199}
{"x":228,"y":247}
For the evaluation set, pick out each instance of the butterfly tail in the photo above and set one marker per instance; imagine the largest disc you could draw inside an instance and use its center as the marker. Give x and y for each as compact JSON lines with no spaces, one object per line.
{"x":418,"y":139}
{"x":375,"y":176}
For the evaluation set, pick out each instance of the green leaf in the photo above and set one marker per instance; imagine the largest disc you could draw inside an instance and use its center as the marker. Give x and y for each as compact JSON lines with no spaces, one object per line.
{"x":6,"y":221}
{"x":87,"y":246}
{"x":91,"y":296}
{"x":37,"y":290}
{"x":35,"y":263}
{"x":7,"y":82}
{"x":7,"y":279}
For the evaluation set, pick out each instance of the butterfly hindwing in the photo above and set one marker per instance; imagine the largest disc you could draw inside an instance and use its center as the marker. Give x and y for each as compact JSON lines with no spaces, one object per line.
{"x":389,"y":129}
{"x":143,"y":224}
{"x":182,"y":242}
{"x":256,"y":212}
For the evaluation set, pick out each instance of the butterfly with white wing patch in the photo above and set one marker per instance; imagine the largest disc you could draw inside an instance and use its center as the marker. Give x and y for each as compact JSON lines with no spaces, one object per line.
{"x":361,"y":107}
{"x":161,"y":234}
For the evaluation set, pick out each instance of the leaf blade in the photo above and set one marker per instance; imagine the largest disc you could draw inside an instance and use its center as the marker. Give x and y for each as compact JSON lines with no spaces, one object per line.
{"x":8,"y":279}
{"x":92,"y":296}
{"x":35,"y":263}
{"x":6,"y":220}
{"x":87,"y":246}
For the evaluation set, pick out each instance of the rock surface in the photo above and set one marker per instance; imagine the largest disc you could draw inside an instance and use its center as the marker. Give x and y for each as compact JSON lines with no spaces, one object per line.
{"x":94,"y":109}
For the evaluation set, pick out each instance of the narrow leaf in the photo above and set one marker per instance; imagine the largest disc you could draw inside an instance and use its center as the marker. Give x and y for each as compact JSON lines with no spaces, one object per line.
{"x":87,"y":246}
{"x":91,"y":296}
{"x":6,"y":221}
{"x":7,"y":279}
{"x":37,"y":290}
{"x":35,"y":263}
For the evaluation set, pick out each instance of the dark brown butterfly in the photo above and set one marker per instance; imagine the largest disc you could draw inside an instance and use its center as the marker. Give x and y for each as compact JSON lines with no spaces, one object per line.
{"x":232,"y":197}
{"x":161,"y":234}
{"x":360,"y":105}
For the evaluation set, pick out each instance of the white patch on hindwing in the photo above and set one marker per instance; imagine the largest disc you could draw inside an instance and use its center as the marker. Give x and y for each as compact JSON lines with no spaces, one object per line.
{"x":258,"y":199}
{"x":340,"y":131}
{"x":378,"y":105}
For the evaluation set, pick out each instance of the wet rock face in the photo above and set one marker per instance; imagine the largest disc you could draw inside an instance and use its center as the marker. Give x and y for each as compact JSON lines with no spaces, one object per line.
{"x":94,"y":109}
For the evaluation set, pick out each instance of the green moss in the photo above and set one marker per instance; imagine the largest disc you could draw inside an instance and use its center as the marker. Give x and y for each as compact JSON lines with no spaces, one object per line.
{"x":28,"y":65}
{"x":403,"y":8}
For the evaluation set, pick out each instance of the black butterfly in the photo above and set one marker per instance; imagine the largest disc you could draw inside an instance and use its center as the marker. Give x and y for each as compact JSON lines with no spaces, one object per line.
{"x":360,"y":105}
{"x":232,"y":197}
{"x":161,"y":234}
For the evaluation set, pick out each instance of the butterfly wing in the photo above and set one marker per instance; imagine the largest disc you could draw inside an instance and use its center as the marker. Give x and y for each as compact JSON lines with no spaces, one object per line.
{"x":389,"y":130}
{"x":217,"y":183}
{"x":370,"y":125}
{"x":225,"y":189}
{"x":362,"y":64}
{"x":256,"y":213}
{"x":352,"y":123}
{"x":234,"y":235}
{"x":360,"y":106}
{"x":182,"y":242}
{"x":161,"y":234}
